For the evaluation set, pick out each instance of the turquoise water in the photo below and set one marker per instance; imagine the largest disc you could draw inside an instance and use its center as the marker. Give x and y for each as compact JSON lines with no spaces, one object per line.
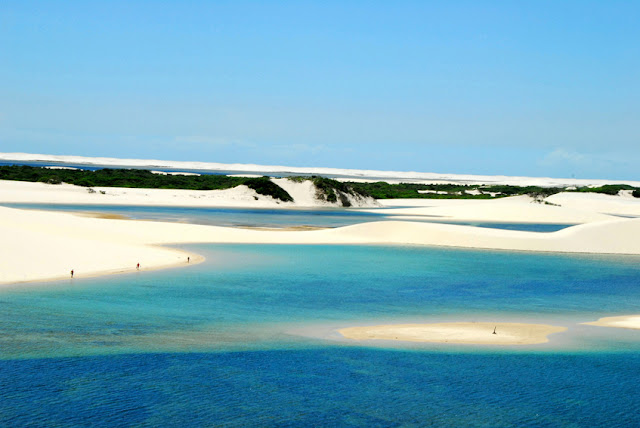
{"x":278,"y":218}
{"x":248,"y":338}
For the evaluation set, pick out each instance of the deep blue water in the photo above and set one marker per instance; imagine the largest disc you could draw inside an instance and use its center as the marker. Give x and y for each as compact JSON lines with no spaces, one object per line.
{"x":248,"y":339}
{"x":277,"y":218}
{"x":323,"y":387}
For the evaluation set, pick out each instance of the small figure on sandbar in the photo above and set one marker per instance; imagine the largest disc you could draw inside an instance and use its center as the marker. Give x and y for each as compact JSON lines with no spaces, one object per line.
{"x":188,"y":259}
{"x":138,"y":266}
{"x":71,"y":273}
{"x":494,"y":330}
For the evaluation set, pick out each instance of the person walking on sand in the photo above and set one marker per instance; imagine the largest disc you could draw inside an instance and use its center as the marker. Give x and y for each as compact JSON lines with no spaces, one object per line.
{"x":138,"y":266}
{"x":188,"y":259}
{"x":71,"y":273}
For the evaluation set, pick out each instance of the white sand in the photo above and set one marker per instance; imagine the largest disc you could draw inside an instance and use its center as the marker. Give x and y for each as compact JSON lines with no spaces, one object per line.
{"x":40,"y":245}
{"x":304,"y":194}
{"x":26,"y":192}
{"x":623,"y":205}
{"x":480,"y":333}
{"x":626,"y":321}
{"x":570,"y":208}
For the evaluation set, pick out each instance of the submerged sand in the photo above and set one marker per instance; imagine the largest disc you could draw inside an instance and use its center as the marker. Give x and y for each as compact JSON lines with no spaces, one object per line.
{"x":478,"y":333}
{"x":625,"y":321}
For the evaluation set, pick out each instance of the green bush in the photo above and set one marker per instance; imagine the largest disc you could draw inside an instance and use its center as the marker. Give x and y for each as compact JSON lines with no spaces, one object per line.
{"x":607,"y":189}
{"x":264,"y":186}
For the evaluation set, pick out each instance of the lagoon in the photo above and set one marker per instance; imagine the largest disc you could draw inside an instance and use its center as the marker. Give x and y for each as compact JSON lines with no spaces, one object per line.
{"x":268,"y":218}
{"x":248,"y":338}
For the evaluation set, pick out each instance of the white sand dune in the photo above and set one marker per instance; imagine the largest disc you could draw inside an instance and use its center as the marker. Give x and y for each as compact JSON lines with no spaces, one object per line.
{"x":598,"y":203}
{"x":564,"y":208}
{"x":303,"y":193}
{"x":39,"y":245}
{"x":479,"y":333}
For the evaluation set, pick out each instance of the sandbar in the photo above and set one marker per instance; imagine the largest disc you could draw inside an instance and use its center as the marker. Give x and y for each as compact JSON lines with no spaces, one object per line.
{"x":477,"y":333}
{"x":625,"y":321}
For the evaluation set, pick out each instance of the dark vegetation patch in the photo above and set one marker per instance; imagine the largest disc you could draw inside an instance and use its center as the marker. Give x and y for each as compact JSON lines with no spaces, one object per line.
{"x":608,"y":189}
{"x":140,"y":178}
{"x":264,"y":186}
{"x":333,"y":191}
{"x":384,"y":190}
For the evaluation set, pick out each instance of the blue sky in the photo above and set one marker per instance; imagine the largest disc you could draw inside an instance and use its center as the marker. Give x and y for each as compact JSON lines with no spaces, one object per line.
{"x":540,"y":88}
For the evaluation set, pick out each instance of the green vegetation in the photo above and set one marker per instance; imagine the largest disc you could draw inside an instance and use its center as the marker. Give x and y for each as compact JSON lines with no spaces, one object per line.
{"x":141,"y":179}
{"x":384,"y":190}
{"x":327,"y":189}
{"x":332,"y":190}
{"x":608,"y":189}
{"x":264,"y":186}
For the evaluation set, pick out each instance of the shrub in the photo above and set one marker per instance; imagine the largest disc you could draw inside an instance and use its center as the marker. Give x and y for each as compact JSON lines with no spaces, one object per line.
{"x":264,"y":186}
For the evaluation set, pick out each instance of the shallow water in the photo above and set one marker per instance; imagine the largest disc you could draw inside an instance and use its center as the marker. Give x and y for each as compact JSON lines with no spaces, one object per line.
{"x":248,"y":338}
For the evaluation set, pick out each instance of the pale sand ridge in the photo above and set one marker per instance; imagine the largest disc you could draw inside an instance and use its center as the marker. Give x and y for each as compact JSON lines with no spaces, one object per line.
{"x":479,"y":333}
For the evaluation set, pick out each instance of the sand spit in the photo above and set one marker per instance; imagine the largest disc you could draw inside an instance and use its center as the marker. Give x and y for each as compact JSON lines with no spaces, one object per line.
{"x":478,"y":333}
{"x":625,"y":321}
